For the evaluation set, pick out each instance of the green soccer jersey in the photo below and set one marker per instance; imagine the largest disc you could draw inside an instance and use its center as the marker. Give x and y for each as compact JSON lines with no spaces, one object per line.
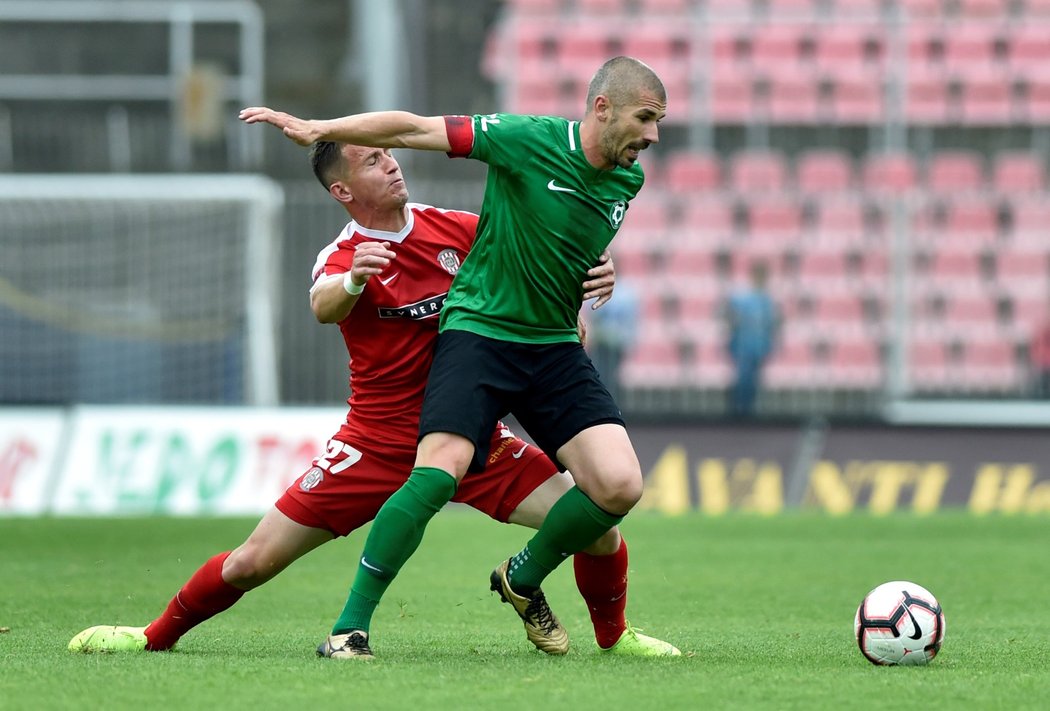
{"x":546,"y":218}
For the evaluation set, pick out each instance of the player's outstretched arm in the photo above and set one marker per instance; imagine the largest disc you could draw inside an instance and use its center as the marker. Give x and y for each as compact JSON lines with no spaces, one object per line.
{"x":379,"y":129}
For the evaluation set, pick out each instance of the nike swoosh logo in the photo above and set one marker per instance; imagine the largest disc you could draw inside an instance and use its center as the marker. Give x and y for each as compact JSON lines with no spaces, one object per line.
{"x":390,"y":278}
{"x":558,"y":188}
{"x":369,"y":565}
{"x":517,"y":455}
{"x":916,"y":632}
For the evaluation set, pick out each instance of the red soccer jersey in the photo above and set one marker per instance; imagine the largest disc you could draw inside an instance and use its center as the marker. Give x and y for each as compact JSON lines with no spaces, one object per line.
{"x":391,"y":331}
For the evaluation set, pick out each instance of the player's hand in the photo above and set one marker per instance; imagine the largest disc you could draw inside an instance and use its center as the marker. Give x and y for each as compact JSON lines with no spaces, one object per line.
{"x":601,"y":281}
{"x":301,"y":131}
{"x":370,"y":258}
{"x":581,"y":331}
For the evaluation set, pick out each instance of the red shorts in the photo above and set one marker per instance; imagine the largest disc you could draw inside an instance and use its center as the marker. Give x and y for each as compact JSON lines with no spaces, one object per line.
{"x":345,"y":487}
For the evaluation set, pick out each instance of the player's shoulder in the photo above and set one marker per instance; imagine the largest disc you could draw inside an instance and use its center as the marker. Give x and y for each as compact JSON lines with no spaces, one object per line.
{"x":440,"y":213}
{"x":343,"y":240}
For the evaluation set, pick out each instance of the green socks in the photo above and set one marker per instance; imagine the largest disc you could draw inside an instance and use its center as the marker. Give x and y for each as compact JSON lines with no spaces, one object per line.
{"x":395,"y":535}
{"x":572,"y":524}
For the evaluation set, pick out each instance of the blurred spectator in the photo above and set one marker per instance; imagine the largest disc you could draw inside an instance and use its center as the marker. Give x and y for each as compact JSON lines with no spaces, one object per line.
{"x":1039,"y":356}
{"x":611,"y":334}
{"x":753,"y":320}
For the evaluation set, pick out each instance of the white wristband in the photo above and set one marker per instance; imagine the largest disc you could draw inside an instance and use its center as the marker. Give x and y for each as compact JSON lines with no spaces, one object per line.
{"x":352,"y":288}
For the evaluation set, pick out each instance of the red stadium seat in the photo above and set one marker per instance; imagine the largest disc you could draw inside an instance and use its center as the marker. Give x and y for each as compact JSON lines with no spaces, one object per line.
{"x":949,"y":265}
{"x":867,"y":9}
{"x":924,"y":45}
{"x":857,"y":97}
{"x":987,"y":99}
{"x":1031,"y":216}
{"x":824,"y":171}
{"x":777,"y":47}
{"x":974,"y":220}
{"x":664,"y":46}
{"x":921,"y":9}
{"x":952,"y":171}
{"x":654,"y":362}
{"x":791,"y":365}
{"x":536,"y":7}
{"x":983,"y":9}
{"x":841,"y":221}
{"x":669,"y":7}
{"x":1023,"y":265}
{"x":792,"y":8}
{"x":855,"y":364}
{"x":1037,"y":98}
{"x":1018,"y":172}
{"x":757,"y":171}
{"x":990,"y":364}
{"x":775,"y":217}
{"x":603,"y":8}
{"x":793,"y":98}
{"x":689,"y":172}
{"x":890,"y":173}
{"x":970,"y":46}
{"x":732,"y":98}
{"x":975,"y":310}
{"x":849,"y":47}
{"x":712,"y":220}
{"x":1029,"y":47}
{"x":926,"y":98}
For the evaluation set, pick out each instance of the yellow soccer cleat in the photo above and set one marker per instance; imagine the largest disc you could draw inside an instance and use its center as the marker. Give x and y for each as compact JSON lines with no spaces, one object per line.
{"x":541,"y":626}
{"x":633,"y":644}
{"x":109,"y":638}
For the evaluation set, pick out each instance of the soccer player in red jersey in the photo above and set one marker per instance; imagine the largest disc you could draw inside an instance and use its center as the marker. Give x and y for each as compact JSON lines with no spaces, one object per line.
{"x":384,"y":280}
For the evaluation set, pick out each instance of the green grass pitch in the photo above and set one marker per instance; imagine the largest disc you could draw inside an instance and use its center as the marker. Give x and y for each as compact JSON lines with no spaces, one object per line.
{"x":761,"y":607}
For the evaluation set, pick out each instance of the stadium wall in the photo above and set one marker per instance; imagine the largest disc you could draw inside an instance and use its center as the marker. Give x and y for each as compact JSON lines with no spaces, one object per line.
{"x":236,"y":461}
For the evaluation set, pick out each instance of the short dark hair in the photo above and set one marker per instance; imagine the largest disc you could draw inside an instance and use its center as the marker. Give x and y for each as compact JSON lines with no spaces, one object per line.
{"x":326,"y":158}
{"x":621,"y":78}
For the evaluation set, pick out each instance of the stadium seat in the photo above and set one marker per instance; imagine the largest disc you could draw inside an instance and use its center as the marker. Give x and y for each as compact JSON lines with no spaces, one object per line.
{"x":536,"y":7}
{"x":952,"y":171}
{"x":971,"y":45}
{"x":955,"y":265}
{"x":775,"y":218}
{"x":1028,"y":47}
{"x":984,"y":9}
{"x":757,"y":171}
{"x":729,"y":9}
{"x":855,"y":363}
{"x":790,"y":366}
{"x":1037,"y":98}
{"x":987,"y":99}
{"x":991,"y":364}
{"x":929,"y":364}
{"x":793,"y":98}
{"x":713,"y":219}
{"x":1018,"y":172}
{"x":601,"y":8}
{"x":921,"y":9}
{"x":890,"y":173}
{"x":687,"y":171}
{"x":839,"y":222}
{"x":663,"y":46}
{"x":647,"y":8}
{"x":1015,"y":264}
{"x":654,"y":362}
{"x":865,"y":9}
{"x":777,"y":47}
{"x":926,"y":97}
{"x":732,"y":98}
{"x":975,"y":310}
{"x":824,"y":171}
{"x":849,"y":47}
{"x":924,"y":44}
{"x":857,"y":97}
{"x":1031,"y":216}
{"x":792,"y":8}
{"x":972,"y":220}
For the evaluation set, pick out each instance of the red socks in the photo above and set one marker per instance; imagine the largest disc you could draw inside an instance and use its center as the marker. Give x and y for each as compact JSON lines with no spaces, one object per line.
{"x":602,"y":580}
{"x":204,"y":595}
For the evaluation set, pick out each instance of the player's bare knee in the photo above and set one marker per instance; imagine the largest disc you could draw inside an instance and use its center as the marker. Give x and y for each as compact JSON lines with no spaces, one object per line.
{"x":247,"y":567}
{"x":619,"y":490}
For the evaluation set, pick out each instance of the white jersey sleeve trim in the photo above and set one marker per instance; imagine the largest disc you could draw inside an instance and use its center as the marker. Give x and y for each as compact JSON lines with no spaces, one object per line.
{"x":324,"y":254}
{"x":572,"y":136}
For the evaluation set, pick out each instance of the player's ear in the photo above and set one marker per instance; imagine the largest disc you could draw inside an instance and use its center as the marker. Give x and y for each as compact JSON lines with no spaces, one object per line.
{"x":340,"y":191}
{"x":602,"y":107}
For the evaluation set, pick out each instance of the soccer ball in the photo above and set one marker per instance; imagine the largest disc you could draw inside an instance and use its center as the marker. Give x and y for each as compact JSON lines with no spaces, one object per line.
{"x":899,"y":623}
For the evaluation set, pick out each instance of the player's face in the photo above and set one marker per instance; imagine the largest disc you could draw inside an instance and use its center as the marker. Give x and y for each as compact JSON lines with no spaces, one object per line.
{"x":631,"y":129}
{"x":374,"y":178}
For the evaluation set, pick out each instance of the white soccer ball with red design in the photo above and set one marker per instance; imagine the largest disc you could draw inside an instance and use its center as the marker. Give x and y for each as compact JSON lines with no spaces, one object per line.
{"x":899,"y":623}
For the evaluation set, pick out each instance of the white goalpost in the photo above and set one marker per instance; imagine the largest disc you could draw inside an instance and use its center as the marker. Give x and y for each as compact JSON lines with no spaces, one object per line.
{"x":139,"y":289}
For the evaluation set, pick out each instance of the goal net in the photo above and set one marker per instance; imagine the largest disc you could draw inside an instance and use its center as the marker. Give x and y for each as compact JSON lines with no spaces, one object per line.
{"x":138,"y":289}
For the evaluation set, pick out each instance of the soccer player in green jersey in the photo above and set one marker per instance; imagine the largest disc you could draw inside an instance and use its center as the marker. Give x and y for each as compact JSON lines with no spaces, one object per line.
{"x":556,"y":194}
